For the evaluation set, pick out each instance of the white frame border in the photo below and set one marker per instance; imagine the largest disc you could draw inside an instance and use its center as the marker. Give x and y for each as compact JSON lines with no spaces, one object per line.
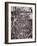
{"x":9,"y":20}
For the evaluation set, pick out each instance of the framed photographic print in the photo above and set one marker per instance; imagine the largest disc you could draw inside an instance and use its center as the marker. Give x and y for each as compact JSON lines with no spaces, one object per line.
{"x":20,"y":22}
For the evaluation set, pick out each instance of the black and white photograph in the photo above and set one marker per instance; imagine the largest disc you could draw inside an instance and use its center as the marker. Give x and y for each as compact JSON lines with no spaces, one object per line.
{"x":21,"y":22}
